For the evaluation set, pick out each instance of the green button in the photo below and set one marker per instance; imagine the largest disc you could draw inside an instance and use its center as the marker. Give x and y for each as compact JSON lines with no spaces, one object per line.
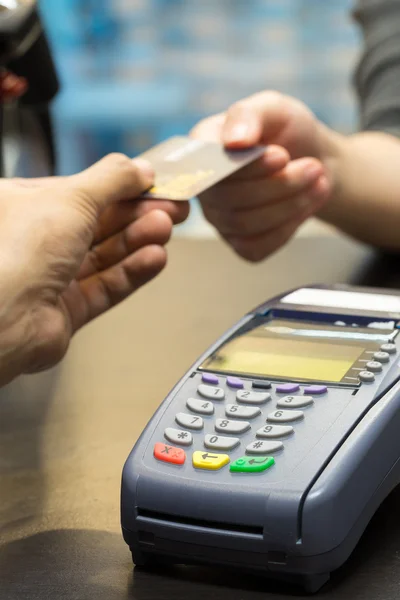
{"x":247,"y":464}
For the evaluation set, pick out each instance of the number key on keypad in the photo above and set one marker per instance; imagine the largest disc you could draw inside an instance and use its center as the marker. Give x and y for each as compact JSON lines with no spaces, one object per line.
{"x":220,"y":442}
{"x":274,"y":431}
{"x":200,"y":406}
{"x":242,"y":412}
{"x":247,"y":397}
{"x":189,"y":421}
{"x":228,"y":426}
{"x":211,"y":392}
{"x":295,"y":401}
{"x":285,"y":416}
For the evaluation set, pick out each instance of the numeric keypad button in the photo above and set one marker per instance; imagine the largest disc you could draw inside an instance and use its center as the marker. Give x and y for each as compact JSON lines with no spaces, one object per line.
{"x":178,"y":436}
{"x":263,"y":447}
{"x":274,"y":431}
{"x":285,"y":416}
{"x":189,"y":421}
{"x":249,"y":397}
{"x":220,"y":442}
{"x":211,"y":392}
{"x":295,"y":401}
{"x":242,"y":412}
{"x":228,"y":426}
{"x":200,"y":406}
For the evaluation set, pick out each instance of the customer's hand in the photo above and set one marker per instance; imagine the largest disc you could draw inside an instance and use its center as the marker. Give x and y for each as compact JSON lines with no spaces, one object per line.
{"x":71,"y":248}
{"x":260,"y":207}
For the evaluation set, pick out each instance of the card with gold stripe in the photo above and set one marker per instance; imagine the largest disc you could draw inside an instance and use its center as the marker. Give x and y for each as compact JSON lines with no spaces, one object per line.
{"x":186,"y":167}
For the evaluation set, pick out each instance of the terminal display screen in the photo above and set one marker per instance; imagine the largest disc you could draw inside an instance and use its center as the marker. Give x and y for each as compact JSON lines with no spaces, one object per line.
{"x":298,"y":350}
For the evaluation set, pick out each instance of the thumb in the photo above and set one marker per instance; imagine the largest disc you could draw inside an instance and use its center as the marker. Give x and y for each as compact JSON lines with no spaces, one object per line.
{"x":257,"y":119}
{"x":113,"y":179}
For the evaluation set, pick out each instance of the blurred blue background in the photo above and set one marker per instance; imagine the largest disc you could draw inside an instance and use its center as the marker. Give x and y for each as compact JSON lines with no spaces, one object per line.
{"x":137,"y":71}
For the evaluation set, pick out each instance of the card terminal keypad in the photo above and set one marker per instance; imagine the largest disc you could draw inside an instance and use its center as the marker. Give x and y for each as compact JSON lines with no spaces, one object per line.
{"x":246,"y":418}
{"x":233,"y":415}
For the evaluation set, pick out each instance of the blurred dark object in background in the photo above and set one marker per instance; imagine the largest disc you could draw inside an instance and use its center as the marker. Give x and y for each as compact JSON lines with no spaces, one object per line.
{"x":25,"y":52}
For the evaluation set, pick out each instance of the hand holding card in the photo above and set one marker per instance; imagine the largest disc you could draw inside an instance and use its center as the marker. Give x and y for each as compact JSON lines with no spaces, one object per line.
{"x":186,"y":167}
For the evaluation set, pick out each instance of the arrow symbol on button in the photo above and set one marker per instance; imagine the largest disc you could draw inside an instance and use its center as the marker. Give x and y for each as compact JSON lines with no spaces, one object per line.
{"x":253,"y":461}
{"x":206,"y":455}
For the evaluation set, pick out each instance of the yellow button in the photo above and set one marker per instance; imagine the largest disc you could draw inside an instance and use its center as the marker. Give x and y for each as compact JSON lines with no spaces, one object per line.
{"x":209,"y":460}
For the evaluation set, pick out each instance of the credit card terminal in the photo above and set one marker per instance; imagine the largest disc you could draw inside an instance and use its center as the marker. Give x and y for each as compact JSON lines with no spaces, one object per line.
{"x":275,"y":449}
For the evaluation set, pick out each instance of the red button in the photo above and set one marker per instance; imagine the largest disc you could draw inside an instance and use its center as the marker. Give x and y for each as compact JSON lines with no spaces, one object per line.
{"x":169,"y":454}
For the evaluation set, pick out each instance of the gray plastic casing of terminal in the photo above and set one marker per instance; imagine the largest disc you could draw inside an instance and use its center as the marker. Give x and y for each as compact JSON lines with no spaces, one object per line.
{"x":302,"y":519}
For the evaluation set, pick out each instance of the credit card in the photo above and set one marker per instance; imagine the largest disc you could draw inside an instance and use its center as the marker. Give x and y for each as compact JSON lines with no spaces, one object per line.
{"x":185,"y":167}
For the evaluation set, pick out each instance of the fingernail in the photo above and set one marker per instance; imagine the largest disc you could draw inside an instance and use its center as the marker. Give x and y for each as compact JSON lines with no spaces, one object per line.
{"x":237,"y":133}
{"x":144,"y":166}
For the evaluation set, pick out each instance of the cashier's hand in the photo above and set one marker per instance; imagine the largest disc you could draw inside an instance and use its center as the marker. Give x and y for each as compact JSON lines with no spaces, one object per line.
{"x":259,"y":208}
{"x":71,"y":248}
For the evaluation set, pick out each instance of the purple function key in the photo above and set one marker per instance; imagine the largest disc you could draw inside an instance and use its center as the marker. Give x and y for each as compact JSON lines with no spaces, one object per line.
{"x":234,"y":382}
{"x":210,"y":378}
{"x":315,"y":390}
{"x":287,"y":388}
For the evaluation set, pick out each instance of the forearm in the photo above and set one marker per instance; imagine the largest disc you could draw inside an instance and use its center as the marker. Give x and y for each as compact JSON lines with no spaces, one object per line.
{"x":365,"y":172}
{"x":365,"y":167}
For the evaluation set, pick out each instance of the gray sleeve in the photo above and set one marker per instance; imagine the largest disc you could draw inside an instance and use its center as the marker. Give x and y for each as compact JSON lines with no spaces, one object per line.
{"x":377,"y":77}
